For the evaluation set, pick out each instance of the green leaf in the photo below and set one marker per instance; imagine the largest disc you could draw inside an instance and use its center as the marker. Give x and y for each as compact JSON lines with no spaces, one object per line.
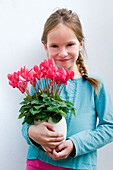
{"x":62,"y":104}
{"x":38,"y":107}
{"x":35,"y":101}
{"x":24,"y":102}
{"x":73,"y":111}
{"x":24,"y":108}
{"x":46,"y":99}
{"x":45,"y":95}
{"x":52,"y":109}
{"x":68,"y":102}
{"x":27,"y":99}
{"x":29,"y":119}
{"x":62,"y":113}
{"x":42,"y":116}
{"x":52,"y":102}
{"x":56,"y":118}
{"x":22,"y":115}
{"x":34,"y":112}
{"x":57,"y":98}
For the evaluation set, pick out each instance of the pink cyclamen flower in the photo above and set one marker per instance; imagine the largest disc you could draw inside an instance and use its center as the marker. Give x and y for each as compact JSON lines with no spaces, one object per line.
{"x":13,"y":79}
{"x":14,"y":76}
{"x":36,"y":68}
{"x":51,"y":62}
{"x":10,"y":77}
{"x":72,"y":75}
{"x":32,"y":78}
{"x":22,"y":86}
{"x":14,"y":84}
{"x":47,"y":64}
{"x":63,"y":75}
{"x":51,"y":72}
{"x":60,"y":76}
{"x":25,"y":73}
{"x":38,"y":74}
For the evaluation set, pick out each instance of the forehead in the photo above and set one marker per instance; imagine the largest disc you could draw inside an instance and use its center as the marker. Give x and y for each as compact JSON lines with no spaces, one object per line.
{"x":61,"y":33}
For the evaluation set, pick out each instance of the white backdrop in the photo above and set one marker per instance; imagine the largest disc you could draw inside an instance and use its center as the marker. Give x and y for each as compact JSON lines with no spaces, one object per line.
{"x":21,"y":24}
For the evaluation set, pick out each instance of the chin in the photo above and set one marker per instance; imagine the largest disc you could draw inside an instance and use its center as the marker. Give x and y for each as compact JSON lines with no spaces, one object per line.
{"x":62,"y":65}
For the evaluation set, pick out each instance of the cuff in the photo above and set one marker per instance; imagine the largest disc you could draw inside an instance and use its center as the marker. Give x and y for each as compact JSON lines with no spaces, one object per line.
{"x":34,"y":143}
{"x":73,"y":153}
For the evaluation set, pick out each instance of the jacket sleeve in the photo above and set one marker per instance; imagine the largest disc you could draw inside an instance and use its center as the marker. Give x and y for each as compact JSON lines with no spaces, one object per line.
{"x":25,"y":133}
{"x":90,"y":140}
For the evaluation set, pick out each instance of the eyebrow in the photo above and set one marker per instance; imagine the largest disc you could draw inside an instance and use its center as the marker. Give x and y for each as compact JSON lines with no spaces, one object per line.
{"x":54,"y":43}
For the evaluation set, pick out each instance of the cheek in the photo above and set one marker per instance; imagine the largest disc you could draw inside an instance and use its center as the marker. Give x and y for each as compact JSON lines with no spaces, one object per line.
{"x":74,"y":53}
{"x":52,"y":53}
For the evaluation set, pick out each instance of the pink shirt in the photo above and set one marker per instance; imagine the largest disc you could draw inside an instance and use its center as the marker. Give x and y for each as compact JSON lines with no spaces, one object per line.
{"x":36,"y":164}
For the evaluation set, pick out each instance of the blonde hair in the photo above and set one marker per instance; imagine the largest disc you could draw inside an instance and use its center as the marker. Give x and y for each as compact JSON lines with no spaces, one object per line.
{"x":71,"y":20}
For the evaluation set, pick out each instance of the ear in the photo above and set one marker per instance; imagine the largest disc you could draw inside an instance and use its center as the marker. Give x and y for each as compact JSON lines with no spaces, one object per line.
{"x":45,"y":45}
{"x":81,"y":44}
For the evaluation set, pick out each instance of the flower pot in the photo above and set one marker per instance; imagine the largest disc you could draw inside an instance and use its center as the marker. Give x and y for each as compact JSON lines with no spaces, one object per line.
{"x":60,"y":127}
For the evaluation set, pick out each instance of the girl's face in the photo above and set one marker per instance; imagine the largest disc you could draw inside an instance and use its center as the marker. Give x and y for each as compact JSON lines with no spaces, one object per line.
{"x":63,"y":46}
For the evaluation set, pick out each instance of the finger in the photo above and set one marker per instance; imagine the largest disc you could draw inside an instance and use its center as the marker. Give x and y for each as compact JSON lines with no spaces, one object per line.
{"x":56,"y":156}
{"x":53,"y":145}
{"x":47,"y":148}
{"x":55,"y":134}
{"x":49,"y":126}
{"x":55,"y":139}
{"x":61,"y":146}
{"x":51,"y":155}
{"x":60,"y":155}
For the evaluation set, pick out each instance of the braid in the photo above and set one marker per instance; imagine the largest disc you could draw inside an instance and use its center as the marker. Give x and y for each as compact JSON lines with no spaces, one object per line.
{"x":81,"y":66}
{"x":82,"y":69}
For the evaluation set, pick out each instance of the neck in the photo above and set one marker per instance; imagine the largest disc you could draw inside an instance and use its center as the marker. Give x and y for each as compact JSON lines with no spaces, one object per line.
{"x":77,"y":74}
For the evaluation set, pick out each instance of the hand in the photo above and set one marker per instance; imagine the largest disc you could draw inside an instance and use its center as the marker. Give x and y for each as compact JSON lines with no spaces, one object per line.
{"x":62,"y":151}
{"x":45,"y":135}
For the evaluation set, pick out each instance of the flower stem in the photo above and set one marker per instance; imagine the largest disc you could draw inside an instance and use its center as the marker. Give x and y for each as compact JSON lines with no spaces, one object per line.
{"x":41,"y":86}
{"x":34,"y":90}
{"x":58,"y":87}
{"x":28,"y":93}
{"x":61,"y":89}
{"x":48,"y":83}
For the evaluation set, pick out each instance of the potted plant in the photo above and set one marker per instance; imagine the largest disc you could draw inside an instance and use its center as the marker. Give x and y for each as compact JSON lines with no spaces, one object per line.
{"x":45,"y":104}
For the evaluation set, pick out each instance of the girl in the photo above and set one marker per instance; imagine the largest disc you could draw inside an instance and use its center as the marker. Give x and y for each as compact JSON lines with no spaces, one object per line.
{"x":64,"y":42}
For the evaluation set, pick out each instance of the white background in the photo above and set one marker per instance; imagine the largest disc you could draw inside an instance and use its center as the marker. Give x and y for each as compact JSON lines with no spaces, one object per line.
{"x":21,"y":25}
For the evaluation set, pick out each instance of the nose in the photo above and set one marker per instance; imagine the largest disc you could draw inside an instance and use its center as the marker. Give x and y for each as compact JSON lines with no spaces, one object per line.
{"x":63,"y":52}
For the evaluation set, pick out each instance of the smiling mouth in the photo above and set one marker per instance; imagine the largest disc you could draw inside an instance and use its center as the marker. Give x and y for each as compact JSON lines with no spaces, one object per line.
{"x":63,"y":60}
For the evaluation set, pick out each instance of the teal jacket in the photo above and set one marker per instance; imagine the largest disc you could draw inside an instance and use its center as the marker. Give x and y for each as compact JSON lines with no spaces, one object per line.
{"x":84,"y":130}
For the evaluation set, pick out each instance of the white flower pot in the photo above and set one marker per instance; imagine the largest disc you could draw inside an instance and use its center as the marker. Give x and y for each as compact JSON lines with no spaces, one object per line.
{"x":60,"y":127}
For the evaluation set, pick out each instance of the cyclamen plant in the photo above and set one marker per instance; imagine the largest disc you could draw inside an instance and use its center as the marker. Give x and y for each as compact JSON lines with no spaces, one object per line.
{"x":47,"y":81}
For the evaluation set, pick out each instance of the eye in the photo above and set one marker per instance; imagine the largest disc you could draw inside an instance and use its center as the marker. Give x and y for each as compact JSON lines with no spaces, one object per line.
{"x":70,"y":44}
{"x":54,"y":46}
